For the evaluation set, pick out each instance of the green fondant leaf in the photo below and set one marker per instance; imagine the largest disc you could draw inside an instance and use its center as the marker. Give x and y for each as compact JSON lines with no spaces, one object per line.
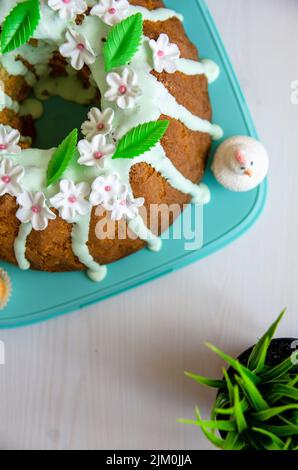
{"x":140,"y":139}
{"x":123,"y":42}
{"x":19,"y":25}
{"x":62,"y":157}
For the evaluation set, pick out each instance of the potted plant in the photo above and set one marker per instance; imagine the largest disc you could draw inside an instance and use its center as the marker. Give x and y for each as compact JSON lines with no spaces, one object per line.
{"x":256,"y":407}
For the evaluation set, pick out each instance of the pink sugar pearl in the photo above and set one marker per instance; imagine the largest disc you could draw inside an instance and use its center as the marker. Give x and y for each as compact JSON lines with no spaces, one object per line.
{"x":98,"y":155}
{"x":112,"y":11}
{"x":122,"y":89}
{"x":66,"y":1}
{"x":100,"y":126}
{"x":6,"y":179}
{"x":81,"y":46}
{"x":3,"y":147}
{"x":160,"y":53}
{"x":108,"y":188}
{"x":72,"y":199}
{"x":36,"y":209}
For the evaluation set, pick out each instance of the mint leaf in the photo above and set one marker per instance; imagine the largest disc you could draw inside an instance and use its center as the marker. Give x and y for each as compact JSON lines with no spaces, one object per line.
{"x":123,"y":42}
{"x":19,"y":25}
{"x":140,"y":139}
{"x":62,"y":157}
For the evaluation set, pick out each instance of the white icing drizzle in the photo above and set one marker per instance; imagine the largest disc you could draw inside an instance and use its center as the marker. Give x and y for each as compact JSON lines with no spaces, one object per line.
{"x":159,"y":14}
{"x":5,"y":7}
{"x":80,"y":236}
{"x":205,"y":66}
{"x":200,"y":194}
{"x":33,"y":107}
{"x":51,"y":27}
{"x":36,"y":56}
{"x":138,"y":226}
{"x":156,"y":100}
{"x":169,"y":106}
{"x":7,"y":103}
{"x":16,"y":67}
{"x":20,"y":246}
{"x":68,"y":88}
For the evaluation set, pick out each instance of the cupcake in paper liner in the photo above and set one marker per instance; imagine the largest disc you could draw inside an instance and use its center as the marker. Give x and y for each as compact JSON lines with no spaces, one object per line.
{"x":5,"y":288}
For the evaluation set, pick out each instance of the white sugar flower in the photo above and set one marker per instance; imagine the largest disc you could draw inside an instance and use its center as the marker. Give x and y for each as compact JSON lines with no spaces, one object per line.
{"x":78,"y":49}
{"x":9,"y":138}
{"x":95,"y":153}
{"x":68,"y":9}
{"x":165,"y":54}
{"x":10,"y":176}
{"x":123,"y":89}
{"x":98,"y":122}
{"x":106,"y":190}
{"x":127,"y":207}
{"x":111,"y":11}
{"x":71,"y":200}
{"x":33,"y":208}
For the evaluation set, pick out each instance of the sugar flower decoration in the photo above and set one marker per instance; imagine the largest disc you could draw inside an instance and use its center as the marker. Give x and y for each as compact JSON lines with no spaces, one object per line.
{"x":124,"y":89}
{"x":95,"y":153}
{"x":10,"y":176}
{"x":77,"y":49}
{"x":111,"y":11}
{"x":127,"y":207}
{"x":68,"y":9}
{"x":98,"y":122}
{"x":9,"y":139}
{"x":33,"y":209}
{"x":71,"y":200}
{"x":165,"y":54}
{"x":106,"y":190}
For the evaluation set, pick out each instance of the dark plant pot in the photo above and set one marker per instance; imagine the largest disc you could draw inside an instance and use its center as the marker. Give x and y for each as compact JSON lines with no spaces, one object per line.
{"x":279,"y":350}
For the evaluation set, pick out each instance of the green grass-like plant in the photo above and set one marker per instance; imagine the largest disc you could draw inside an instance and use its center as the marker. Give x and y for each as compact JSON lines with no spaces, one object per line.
{"x":257,"y":405}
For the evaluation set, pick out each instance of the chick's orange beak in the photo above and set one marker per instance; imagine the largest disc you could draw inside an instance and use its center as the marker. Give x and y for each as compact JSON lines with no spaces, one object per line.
{"x":248,"y":172}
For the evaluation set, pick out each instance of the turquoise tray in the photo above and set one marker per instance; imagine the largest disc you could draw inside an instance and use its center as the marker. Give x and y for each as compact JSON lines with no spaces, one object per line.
{"x":39,"y":296}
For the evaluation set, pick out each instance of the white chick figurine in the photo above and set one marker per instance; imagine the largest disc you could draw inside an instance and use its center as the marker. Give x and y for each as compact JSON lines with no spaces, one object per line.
{"x":240,"y":163}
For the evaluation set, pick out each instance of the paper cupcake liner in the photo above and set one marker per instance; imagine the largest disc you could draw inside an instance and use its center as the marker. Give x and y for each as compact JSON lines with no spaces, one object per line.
{"x":5,"y":289}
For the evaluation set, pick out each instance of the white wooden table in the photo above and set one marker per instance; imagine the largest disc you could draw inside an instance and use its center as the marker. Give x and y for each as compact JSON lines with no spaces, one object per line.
{"x":111,"y":376}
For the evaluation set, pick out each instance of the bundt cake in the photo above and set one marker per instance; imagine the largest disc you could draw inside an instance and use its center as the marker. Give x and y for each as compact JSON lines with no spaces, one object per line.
{"x":145,"y":141}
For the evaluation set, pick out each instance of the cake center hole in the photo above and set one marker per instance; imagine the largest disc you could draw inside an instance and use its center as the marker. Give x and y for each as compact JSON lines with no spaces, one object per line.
{"x":66,"y":102}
